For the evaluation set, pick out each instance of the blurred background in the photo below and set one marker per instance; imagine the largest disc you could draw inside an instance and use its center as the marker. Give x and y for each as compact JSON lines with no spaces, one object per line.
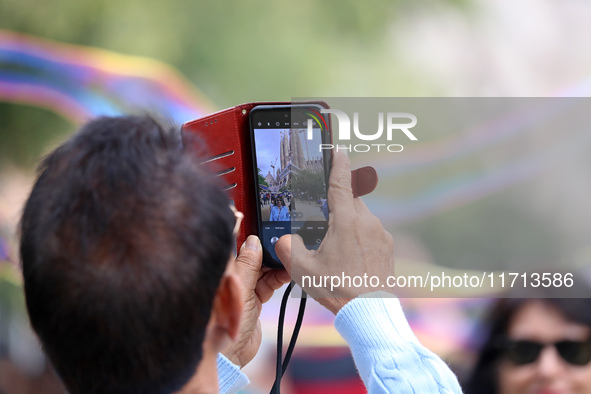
{"x":65,"y":61}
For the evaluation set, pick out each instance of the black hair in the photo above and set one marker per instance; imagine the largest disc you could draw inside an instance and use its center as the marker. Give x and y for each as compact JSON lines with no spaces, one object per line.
{"x":124,"y":240}
{"x":567,"y":301}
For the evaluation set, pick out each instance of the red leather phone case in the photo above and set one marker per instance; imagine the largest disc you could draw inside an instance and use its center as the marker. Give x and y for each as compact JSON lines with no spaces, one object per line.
{"x":226,"y":135}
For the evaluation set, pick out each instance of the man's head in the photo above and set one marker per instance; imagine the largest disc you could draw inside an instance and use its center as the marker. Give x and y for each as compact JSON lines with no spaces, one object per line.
{"x":124,"y":242}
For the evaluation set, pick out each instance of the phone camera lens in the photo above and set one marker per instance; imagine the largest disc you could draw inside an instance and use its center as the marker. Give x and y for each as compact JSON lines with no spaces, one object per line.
{"x":277,"y":124}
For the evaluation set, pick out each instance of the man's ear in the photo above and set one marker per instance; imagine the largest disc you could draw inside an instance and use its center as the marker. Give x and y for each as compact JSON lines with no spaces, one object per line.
{"x":228,"y":305}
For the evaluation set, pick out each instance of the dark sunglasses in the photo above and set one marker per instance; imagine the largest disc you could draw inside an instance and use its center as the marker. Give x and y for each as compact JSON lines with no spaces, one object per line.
{"x":523,"y":352}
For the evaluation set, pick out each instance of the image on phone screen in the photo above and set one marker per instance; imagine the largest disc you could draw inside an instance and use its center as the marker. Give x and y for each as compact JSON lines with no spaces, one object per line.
{"x":291,"y":179}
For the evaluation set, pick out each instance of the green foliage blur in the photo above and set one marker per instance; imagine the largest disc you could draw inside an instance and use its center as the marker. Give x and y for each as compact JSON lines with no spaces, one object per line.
{"x":239,"y":51}
{"x":310,"y":183}
{"x":233,"y":51}
{"x":27,"y":132}
{"x":262,"y":180}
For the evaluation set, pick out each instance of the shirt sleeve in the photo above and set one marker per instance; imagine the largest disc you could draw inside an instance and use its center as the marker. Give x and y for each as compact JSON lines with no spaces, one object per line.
{"x":388,"y":355}
{"x":230,"y":378}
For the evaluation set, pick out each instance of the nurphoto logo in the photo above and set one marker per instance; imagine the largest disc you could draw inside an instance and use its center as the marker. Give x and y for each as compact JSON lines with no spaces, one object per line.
{"x":395,"y":122}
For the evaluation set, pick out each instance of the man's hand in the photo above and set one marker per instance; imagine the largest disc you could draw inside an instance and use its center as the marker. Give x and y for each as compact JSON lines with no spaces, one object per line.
{"x":356,"y":245}
{"x":258,"y":285}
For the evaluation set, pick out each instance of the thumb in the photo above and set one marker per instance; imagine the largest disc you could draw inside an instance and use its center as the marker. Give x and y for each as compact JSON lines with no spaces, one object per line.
{"x":249,"y":260}
{"x":290,"y":245}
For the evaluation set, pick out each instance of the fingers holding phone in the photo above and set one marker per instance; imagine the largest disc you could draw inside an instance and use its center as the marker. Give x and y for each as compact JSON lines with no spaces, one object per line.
{"x":356,"y":255}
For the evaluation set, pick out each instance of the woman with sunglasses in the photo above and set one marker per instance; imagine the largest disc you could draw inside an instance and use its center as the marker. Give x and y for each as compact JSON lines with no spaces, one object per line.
{"x":536,"y":346}
{"x":279,"y":212}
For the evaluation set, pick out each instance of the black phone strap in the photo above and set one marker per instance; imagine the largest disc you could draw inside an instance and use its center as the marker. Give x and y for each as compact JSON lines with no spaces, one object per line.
{"x":282,"y":365}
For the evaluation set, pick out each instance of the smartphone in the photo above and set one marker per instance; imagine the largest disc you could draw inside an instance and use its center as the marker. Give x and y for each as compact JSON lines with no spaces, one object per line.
{"x":291,"y":174}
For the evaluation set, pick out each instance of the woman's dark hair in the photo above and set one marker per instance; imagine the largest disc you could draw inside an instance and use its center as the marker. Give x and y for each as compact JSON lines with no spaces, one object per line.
{"x":484,"y":379}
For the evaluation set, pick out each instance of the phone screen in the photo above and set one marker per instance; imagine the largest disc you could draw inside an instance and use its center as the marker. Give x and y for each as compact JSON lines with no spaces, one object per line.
{"x":291,"y":172}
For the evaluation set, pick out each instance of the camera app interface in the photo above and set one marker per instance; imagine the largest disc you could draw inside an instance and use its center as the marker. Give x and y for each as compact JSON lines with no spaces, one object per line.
{"x":291,"y":182}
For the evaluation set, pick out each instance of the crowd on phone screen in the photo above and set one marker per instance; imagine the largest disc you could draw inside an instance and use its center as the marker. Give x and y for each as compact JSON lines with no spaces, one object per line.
{"x":279,"y":210}
{"x":282,"y":207}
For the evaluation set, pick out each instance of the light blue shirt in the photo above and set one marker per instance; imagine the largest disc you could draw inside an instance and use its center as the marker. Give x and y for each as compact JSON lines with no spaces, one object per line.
{"x":279,"y":214}
{"x":388,"y":355}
